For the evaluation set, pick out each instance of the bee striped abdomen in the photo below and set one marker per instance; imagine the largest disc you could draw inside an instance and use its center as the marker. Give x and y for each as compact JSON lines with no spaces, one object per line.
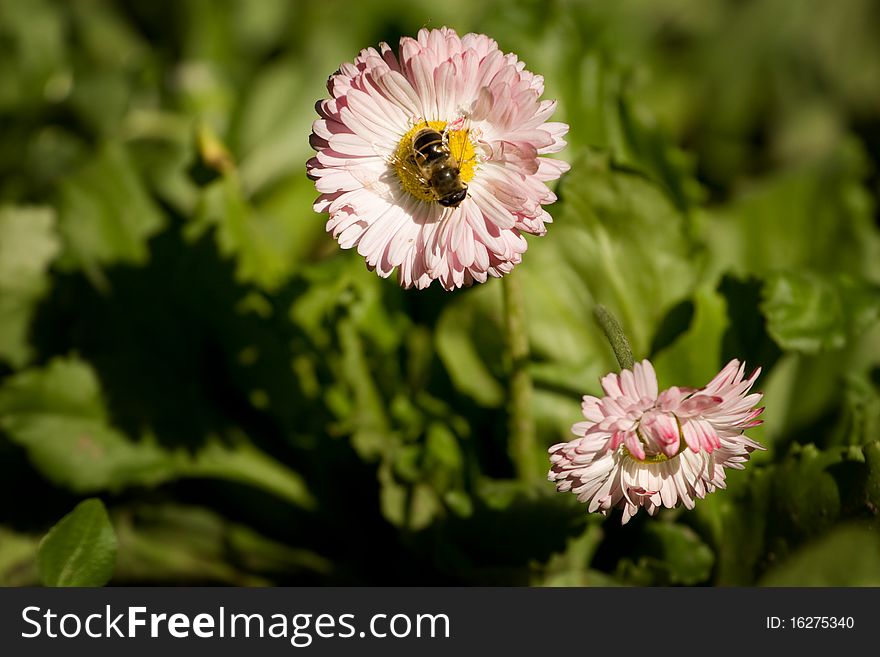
{"x":429,"y":146}
{"x":438,"y":167}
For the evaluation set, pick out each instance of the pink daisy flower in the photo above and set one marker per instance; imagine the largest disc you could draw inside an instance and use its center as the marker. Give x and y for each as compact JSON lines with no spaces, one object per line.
{"x":639,"y":448}
{"x":431,"y":161}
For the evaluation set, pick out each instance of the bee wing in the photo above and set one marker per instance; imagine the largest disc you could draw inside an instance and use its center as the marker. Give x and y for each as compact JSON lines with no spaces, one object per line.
{"x":458,"y":150}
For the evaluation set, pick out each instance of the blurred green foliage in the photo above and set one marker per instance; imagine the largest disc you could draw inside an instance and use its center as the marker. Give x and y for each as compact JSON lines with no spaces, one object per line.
{"x":179,"y":336}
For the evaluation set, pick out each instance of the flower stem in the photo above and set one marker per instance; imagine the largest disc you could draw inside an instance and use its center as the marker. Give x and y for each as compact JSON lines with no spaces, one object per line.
{"x":522,"y":446}
{"x":616,"y":336}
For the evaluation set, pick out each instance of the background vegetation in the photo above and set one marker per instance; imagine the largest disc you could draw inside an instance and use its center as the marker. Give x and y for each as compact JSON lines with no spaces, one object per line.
{"x":180,"y":338}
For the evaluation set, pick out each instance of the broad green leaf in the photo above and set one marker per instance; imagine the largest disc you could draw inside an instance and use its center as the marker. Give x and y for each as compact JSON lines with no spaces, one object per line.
{"x":767,"y":513}
{"x":178,"y":544}
{"x":685,"y":556}
{"x":555,"y":411}
{"x":746,"y":337}
{"x":81,"y":549}
{"x":812,"y":488}
{"x":694,"y":358}
{"x":57,"y":414}
{"x":244,"y":463}
{"x":846,"y":556}
{"x":369,"y":421}
{"x":105,"y":214}
{"x":571,"y":566}
{"x":801,"y":389}
{"x":860,"y":419}
{"x":112,"y":51}
{"x":810,"y":312}
{"x":872,"y":481}
{"x":442,"y":453}
{"x":275,"y":121}
{"x":735,"y":520}
{"x":34,"y":52}
{"x":239,"y":233}
{"x":17,"y":558}
{"x":28,"y":245}
{"x":816,"y":217}
{"x":806,"y":497}
{"x":648,"y":148}
{"x":410,"y":505}
{"x":671,"y":554}
{"x":467,"y":342}
{"x":268,"y":239}
{"x":624,"y":245}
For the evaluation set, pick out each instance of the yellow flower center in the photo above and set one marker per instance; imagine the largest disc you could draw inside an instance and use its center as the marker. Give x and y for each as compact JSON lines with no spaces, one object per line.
{"x":649,"y":458}
{"x":659,"y":457}
{"x":404,"y":163}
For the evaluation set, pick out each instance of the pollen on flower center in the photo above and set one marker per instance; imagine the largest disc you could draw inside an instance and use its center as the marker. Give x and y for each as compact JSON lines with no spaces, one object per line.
{"x":649,"y":458}
{"x":403,"y":161}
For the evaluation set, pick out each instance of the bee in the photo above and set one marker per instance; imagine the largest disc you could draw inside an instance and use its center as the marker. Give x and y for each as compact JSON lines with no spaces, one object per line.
{"x":438,"y":168}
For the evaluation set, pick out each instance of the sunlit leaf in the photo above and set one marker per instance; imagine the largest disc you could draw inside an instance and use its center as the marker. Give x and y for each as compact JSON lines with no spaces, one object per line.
{"x":467,"y":344}
{"x":694,"y":358}
{"x":847,"y":556}
{"x":81,"y":549}
{"x":627,"y":244}
{"x":57,"y":414}
{"x":17,"y":558}
{"x":809,"y":312}
{"x":28,"y":244}
{"x":570,"y":567}
{"x":105,"y":214}
{"x":813,"y":217}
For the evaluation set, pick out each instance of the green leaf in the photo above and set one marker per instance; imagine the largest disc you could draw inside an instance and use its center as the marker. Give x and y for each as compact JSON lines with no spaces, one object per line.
{"x":736,"y":520}
{"x":412,"y":506}
{"x":28,"y":245}
{"x":34,"y":50}
{"x":570,"y":567}
{"x":244,"y":463}
{"x":810,"y":312}
{"x":672,"y":554}
{"x":860,"y":418}
{"x":468,"y":341}
{"x":847,"y":556}
{"x":555,"y":412}
{"x":81,"y":549}
{"x":801,"y":389}
{"x":268,"y":239}
{"x":806,"y":498}
{"x":816,"y":216}
{"x":17,"y":558}
{"x":872,"y":481}
{"x":694,"y":358}
{"x":57,"y":414}
{"x":617,"y":240}
{"x":178,"y":544}
{"x":650,"y":149}
{"x":105,"y":214}
{"x":276,"y":118}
